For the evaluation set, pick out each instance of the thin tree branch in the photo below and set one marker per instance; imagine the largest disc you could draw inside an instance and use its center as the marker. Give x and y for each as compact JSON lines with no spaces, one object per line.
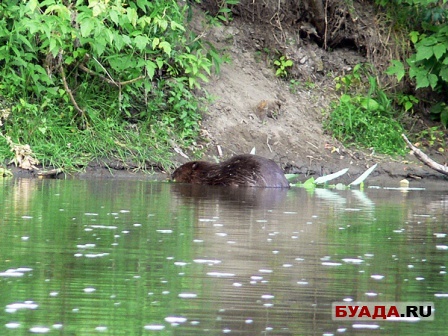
{"x":69,"y":92}
{"x":425,"y":158}
{"x":110,"y":81}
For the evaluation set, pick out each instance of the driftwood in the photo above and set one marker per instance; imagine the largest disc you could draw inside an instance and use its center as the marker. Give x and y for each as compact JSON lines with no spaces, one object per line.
{"x":425,"y":158}
{"x":49,"y":173}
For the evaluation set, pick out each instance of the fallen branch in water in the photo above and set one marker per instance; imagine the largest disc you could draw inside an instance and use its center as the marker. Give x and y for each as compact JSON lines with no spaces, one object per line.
{"x":49,"y":173}
{"x":425,"y":158}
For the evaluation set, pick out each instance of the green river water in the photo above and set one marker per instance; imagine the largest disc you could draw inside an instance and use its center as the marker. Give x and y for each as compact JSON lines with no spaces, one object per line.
{"x":108,"y":257}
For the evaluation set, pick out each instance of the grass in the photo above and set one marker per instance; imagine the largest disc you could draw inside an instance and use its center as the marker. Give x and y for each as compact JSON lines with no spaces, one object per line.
{"x":73,"y":150}
{"x":56,"y":141}
{"x":352,"y":124}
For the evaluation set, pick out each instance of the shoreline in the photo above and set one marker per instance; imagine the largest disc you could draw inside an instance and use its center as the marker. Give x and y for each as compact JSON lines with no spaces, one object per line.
{"x":387,"y":174}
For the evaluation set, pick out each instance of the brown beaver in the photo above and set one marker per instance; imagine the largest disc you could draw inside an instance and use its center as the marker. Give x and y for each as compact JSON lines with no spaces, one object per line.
{"x":242,"y":170}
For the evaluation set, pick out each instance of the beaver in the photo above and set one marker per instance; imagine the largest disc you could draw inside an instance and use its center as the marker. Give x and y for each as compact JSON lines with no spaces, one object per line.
{"x":242,"y":170}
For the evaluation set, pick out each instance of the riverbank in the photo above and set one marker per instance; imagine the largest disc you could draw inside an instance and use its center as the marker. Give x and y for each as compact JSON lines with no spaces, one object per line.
{"x":250,"y":107}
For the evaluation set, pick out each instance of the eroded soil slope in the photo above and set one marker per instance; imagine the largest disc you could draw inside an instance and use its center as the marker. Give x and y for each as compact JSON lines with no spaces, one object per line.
{"x":283,"y":121}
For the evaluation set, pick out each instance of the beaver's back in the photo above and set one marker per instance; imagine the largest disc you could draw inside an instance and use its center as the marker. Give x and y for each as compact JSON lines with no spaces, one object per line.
{"x":241,"y":170}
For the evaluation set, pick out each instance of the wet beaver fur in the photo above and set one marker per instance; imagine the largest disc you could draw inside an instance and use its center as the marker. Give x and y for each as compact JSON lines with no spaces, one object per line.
{"x":241,"y":170}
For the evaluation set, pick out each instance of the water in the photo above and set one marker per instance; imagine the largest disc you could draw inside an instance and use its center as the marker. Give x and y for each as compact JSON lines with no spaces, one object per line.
{"x":140,"y":258}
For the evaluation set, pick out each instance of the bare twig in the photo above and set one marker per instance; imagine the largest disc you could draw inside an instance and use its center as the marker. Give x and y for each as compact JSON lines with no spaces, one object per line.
{"x":326,"y":25}
{"x":309,"y":143}
{"x":267,"y":143}
{"x":69,"y":92}
{"x":85,"y":69}
{"x":52,"y":172}
{"x":104,"y":69}
{"x":425,"y":158}
{"x":110,"y":81}
{"x":131,"y":80}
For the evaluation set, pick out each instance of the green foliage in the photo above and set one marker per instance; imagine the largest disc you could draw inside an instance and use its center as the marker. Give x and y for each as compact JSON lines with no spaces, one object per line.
{"x":72,"y":64}
{"x":397,"y":69}
{"x":428,"y":65}
{"x":295,"y":84}
{"x":349,"y":81}
{"x":440,"y":112}
{"x":282,"y":65}
{"x":225,"y":12}
{"x":352,"y":123}
{"x":406,"y":101}
{"x":433,"y":136}
{"x":58,"y":143}
{"x":366,"y":120}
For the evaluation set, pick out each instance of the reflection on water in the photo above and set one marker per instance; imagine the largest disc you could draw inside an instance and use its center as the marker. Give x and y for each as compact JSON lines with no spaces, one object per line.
{"x":137,"y":258}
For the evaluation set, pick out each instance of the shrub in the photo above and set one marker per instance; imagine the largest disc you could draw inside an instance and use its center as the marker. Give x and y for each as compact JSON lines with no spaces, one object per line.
{"x":72,"y":65}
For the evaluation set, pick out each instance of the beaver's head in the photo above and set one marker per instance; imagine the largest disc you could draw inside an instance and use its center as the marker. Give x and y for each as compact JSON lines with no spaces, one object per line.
{"x":192,"y":172}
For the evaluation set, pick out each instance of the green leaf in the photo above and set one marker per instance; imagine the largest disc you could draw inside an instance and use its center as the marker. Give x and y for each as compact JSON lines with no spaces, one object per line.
{"x":25,"y":41}
{"x":97,"y":7}
{"x":141,"y":41}
{"x":86,"y":27}
{"x":61,"y":10}
{"x":444,"y":117}
{"x":166,"y":47}
{"x":142,"y":5}
{"x":203,"y":77}
{"x":132,"y":16}
{"x":408,"y":105}
{"x":291,"y":177}
{"x":155,"y":42}
{"x":126,"y":39}
{"x":444,"y":74}
{"x":424,"y":53}
{"x":397,"y":69}
{"x":160,"y":62}
{"x":161,"y":23}
{"x":428,"y":41}
{"x":53,"y":47}
{"x":414,"y":36}
{"x":192,"y":82}
{"x":109,"y":36}
{"x":309,"y":183}
{"x":439,"y":50}
{"x":100,"y":46}
{"x":422,"y":81}
{"x":370,"y":104}
{"x":433,"y":79}
{"x":118,"y":41}
{"x":175,"y":25}
{"x":151,"y":69}
{"x":69,"y":60}
{"x":114,"y":16}
{"x":345,"y":98}
{"x":31,"y":6}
